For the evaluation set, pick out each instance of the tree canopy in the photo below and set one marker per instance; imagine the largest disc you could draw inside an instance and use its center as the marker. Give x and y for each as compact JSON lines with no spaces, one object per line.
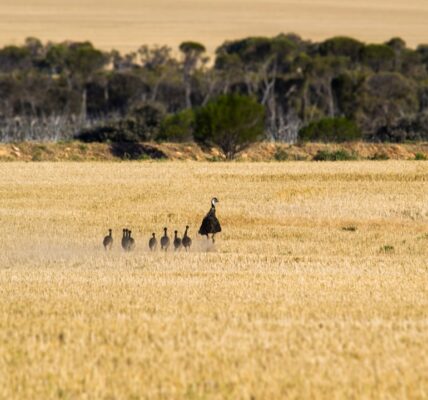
{"x":56,"y":90}
{"x":230,"y":121}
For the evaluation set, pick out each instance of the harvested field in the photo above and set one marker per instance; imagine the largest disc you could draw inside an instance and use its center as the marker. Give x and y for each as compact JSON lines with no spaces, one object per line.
{"x":127,"y":24}
{"x":316,"y":288}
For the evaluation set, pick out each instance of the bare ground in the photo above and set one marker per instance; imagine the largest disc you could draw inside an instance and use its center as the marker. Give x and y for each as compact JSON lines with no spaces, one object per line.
{"x":76,"y":151}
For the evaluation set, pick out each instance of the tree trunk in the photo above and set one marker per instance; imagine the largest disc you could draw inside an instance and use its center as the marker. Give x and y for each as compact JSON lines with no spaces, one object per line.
{"x":83,"y":112}
{"x":331,"y":107}
{"x":188,"y":90}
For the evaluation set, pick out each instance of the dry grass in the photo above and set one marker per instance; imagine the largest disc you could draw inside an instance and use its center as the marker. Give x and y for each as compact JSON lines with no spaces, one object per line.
{"x":317,"y":288}
{"x":261,"y":151}
{"x":126,"y":24}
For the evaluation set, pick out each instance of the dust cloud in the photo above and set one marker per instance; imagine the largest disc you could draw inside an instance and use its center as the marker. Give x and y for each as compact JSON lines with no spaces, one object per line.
{"x":66,"y":252}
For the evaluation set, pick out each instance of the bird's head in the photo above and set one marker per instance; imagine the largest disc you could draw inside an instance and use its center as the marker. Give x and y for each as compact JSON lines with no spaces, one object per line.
{"x":214,"y":201}
{"x":164,"y":229}
{"x":153,"y":234}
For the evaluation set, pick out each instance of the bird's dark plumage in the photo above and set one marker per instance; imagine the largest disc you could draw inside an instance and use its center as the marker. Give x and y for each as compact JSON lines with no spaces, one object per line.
{"x":210,"y":224}
{"x":177,"y":241}
{"x":153,"y":243}
{"x":164,"y":240}
{"x":125,"y":239}
{"x":131,"y":242}
{"x":186,"y":241}
{"x":108,"y":241}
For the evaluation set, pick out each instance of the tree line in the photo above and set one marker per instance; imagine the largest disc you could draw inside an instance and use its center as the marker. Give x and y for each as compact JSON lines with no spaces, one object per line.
{"x":334,"y":90}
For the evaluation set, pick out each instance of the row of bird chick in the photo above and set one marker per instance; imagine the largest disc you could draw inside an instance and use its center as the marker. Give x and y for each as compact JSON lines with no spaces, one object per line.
{"x":128,"y":242}
{"x":210,"y":226}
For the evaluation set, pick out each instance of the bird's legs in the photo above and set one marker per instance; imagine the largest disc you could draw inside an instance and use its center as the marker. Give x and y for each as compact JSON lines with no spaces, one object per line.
{"x":212,"y":237}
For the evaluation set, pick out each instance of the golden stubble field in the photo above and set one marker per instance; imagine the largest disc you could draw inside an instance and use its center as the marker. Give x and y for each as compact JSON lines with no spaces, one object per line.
{"x":287,"y":304}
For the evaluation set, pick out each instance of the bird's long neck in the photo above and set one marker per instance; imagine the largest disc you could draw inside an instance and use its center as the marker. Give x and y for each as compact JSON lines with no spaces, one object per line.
{"x":185,"y":232}
{"x":175,"y":235}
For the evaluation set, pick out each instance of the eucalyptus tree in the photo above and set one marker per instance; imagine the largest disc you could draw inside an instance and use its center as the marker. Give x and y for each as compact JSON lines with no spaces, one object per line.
{"x":193,"y":58}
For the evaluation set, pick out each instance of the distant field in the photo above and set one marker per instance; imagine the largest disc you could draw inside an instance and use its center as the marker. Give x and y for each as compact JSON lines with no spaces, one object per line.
{"x":316,"y":288}
{"x":127,"y":24}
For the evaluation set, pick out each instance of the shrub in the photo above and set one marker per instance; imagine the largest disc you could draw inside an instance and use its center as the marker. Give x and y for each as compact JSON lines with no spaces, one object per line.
{"x":115,"y":131}
{"x":36,"y":156}
{"x":408,"y":128}
{"x":387,"y":249}
{"x":380,"y":157}
{"x":330,"y":130}
{"x":338,"y":155}
{"x":280,"y":155}
{"x":420,"y":157}
{"x":378,"y":56}
{"x":141,"y":124}
{"x":177,"y":127}
{"x":215,"y":159}
{"x":83,"y":148}
{"x":230,"y":121}
{"x":349,"y":228}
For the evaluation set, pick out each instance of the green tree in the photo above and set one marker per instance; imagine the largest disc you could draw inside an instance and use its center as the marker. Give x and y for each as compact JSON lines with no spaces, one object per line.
{"x":378,"y":57}
{"x":158,"y":67}
{"x":78,"y":62}
{"x":398,"y":45}
{"x":383,"y":99}
{"x":124,"y":90}
{"x":14,"y":58}
{"x":422,"y":51}
{"x":230,"y":121}
{"x":341,"y":46}
{"x":178,"y":127}
{"x":344,"y":88}
{"x":192,"y":52}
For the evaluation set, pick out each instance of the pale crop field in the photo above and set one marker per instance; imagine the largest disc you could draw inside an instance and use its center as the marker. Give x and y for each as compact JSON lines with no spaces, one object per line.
{"x":286,"y":304}
{"x":127,"y":24}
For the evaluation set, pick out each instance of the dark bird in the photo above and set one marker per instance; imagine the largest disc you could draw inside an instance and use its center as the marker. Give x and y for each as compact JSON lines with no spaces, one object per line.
{"x":108,"y":241}
{"x":210,"y":223}
{"x":153,"y":243}
{"x":125,"y":239}
{"x":177,"y":241}
{"x":186,"y":241}
{"x":164,"y":240}
{"x":131,"y":242}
